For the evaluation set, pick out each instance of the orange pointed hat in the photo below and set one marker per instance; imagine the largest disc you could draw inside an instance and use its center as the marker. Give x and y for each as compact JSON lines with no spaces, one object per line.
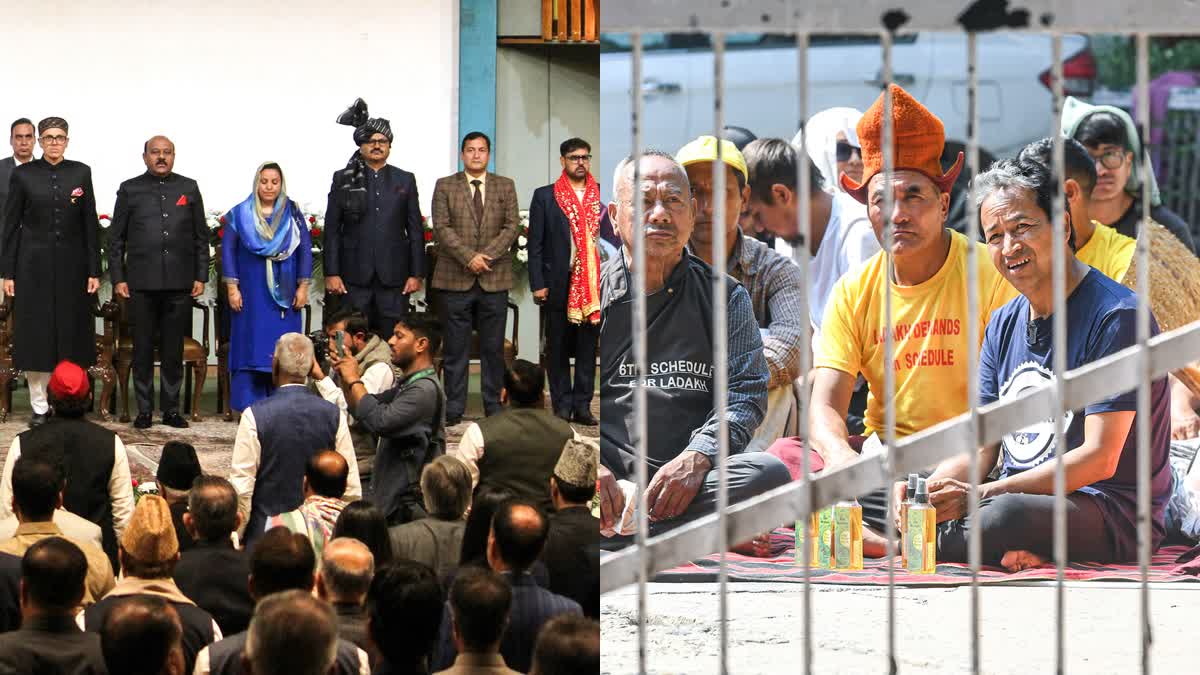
{"x":919,"y":139}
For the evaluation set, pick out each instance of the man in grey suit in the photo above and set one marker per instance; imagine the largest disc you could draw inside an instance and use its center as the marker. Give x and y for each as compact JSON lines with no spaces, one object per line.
{"x":475,"y":221}
{"x":21,"y":136}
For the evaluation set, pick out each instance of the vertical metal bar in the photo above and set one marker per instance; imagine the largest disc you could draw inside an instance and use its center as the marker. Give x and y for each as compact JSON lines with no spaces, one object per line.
{"x":800,"y":255}
{"x":974,"y":545}
{"x":1059,"y":267}
{"x":639,"y":344}
{"x":889,"y":349}
{"x":1143,"y":336}
{"x":721,"y":344}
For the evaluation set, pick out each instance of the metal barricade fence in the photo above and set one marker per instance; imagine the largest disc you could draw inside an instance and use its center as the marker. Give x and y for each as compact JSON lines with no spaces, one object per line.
{"x":981,"y":425}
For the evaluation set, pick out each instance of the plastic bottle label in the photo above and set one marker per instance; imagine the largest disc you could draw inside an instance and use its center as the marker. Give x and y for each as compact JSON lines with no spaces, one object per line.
{"x":914,"y":540}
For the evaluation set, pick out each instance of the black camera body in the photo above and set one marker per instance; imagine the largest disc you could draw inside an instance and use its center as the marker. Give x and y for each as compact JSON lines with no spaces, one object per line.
{"x":320,"y":342}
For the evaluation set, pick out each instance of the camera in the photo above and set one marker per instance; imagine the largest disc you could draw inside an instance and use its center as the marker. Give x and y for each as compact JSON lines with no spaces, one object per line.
{"x":320,"y":343}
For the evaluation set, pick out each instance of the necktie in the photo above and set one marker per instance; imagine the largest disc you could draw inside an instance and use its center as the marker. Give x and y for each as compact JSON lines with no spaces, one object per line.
{"x":477,"y":200}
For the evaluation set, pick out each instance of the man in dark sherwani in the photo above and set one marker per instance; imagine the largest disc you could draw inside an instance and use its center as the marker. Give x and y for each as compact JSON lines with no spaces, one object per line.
{"x":51,"y":262}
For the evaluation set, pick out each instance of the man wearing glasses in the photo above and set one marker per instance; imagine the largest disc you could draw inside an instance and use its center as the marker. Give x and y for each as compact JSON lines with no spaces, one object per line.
{"x":564,"y":276}
{"x":374,"y":237}
{"x":51,"y":255}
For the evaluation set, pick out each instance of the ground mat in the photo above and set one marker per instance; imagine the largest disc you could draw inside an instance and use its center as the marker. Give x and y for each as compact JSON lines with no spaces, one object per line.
{"x":783,"y":568}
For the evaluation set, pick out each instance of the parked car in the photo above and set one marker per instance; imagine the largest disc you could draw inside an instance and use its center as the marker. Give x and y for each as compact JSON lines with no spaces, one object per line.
{"x":761,"y":85}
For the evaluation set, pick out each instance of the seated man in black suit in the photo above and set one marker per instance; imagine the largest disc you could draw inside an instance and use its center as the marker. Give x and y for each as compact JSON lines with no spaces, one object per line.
{"x":213,"y":573}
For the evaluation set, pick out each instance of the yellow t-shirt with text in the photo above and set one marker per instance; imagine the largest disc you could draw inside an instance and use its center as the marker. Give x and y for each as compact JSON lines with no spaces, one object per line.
{"x":930,"y":335}
{"x":1108,"y":251}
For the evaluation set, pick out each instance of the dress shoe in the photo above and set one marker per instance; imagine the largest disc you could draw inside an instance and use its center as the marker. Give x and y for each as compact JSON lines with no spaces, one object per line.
{"x":38,"y":420}
{"x":585,"y":418}
{"x":142,"y":421}
{"x":564,"y":415}
{"x":175,"y":420}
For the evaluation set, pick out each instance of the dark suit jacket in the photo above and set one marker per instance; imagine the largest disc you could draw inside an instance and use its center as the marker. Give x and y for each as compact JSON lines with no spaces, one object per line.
{"x":51,"y":645}
{"x":459,"y":237}
{"x":549,"y":247}
{"x":213,"y":575}
{"x":160,"y":223}
{"x":572,"y":554}
{"x":387,"y":241}
{"x":6,"y":168}
{"x":10,"y":592}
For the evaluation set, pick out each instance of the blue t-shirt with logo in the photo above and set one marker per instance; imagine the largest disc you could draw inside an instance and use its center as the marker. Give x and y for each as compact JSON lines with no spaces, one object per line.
{"x":1101,"y":320}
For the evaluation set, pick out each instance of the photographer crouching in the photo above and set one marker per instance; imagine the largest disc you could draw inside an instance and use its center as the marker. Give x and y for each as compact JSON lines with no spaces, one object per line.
{"x":408,"y":418}
{"x":375,"y":369}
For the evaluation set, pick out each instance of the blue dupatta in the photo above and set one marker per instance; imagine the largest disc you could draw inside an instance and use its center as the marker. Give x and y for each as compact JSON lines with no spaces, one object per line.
{"x":278,"y":249}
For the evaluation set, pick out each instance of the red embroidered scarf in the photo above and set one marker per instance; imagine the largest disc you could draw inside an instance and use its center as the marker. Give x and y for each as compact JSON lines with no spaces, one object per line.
{"x":583,"y":297}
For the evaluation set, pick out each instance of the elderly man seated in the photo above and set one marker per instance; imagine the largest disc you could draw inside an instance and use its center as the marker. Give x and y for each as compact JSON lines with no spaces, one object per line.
{"x":1016,"y":511}
{"x":682,"y":444}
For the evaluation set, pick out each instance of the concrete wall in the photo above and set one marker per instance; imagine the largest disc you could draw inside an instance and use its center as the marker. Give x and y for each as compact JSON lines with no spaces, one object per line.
{"x":544,"y":95}
{"x":520,"y":18}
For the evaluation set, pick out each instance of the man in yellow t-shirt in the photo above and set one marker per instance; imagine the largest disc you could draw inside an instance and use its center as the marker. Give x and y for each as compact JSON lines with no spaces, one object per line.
{"x":929,"y":300}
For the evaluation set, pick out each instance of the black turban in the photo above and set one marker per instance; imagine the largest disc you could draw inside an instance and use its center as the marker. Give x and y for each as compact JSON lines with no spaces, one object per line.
{"x":364,"y":126}
{"x":352,"y":180}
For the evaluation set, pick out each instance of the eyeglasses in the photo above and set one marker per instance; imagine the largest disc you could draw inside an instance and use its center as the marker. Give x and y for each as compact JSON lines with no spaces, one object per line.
{"x":578,"y":159}
{"x":54,"y":140}
{"x":1111,"y":159}
{"x":845,"y":151}
{"x":381,"y":142}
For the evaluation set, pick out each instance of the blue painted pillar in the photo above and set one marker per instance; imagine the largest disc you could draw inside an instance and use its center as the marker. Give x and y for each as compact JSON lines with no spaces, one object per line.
{"x":477,"y":26}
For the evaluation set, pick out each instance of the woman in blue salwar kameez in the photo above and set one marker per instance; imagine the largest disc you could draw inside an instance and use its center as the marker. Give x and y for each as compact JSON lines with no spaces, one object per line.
{"x":266,"y":259}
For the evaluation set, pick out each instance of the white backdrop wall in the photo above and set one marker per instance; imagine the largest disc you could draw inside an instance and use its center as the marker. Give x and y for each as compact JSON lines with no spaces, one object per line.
{"x":234,"y":84}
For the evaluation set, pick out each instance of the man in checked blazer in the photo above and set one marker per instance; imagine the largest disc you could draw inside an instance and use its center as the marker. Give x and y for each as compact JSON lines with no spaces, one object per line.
{"x":475,"y":221}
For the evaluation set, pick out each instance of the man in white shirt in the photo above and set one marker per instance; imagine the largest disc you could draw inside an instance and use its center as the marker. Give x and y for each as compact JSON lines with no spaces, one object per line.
{"x":375,"y":369}
{"x":278,"y":434}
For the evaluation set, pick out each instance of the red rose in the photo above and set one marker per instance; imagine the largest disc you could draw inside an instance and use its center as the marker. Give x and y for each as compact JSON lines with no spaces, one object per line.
{"x":316,"y":232}
{"x":220,"y":233}
{"x":135,"y":483}
{"x":428,"y":235}
{"x":312,"y":220}
{"x":221,"y":220}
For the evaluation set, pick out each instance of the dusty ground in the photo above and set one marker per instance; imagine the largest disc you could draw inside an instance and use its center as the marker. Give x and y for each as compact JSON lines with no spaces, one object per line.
{"x":849,"y":633}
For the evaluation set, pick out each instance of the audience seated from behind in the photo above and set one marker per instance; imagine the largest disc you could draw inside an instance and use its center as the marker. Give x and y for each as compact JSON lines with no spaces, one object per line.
{"x":143,"y":636}
{"x":325,"y":477}
{"x":37,"y":488}
{"x":280,"y":561}
{"x":405,"y":607}
{"x":52,"y":586}
{"x":148,"y":554}
{"x":516,"y":539}
{"x":178,"y":468}
{"x":10,"y":592}
{"x":516,"y":449}
{"x":365,"y":522}
{"x":343,"y":580}
{"x":437,"y":539}
{"x":213,"y":573}
{"x":572,"y":552}
{"x":101,"y":488}
{"x":292,"y":633}
{"x":567,"y":644}
{"x":480,"y":601}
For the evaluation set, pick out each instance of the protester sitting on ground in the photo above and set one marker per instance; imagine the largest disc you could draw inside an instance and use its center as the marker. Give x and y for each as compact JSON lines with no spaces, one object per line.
{"x":514,"y":544}
{"x":480,"y":601}
{"x":292,"y":633}
{"x":437,"y":539}
{"x":1174,"y":271}
{"x":281,"y":561}
{"x":1016,"y":511}
{"x":364,"y":521}
{"x":325,"y":476}
{"x":343,"y":579}
{"x":409,"y":418}
{"x":833,"y":146}
{"x":277,"y":435}
{"x":929,"y":304}
{"x":101,"y":488}
{"x":1113,"y":142}
{"x":178,"y":468}
{"x":572,"y":552}
{"x":52,"y":586}
{"x":682,"y":453}
{"x":143,"y":636}
{"x":775,"y":286}
{"x":566,"y":645}
{"x":517,"y":448}
{"x":405,"y":605}
{"x":37,"y":489}
{"x":213,"y":573}
{"x":148,"y":553}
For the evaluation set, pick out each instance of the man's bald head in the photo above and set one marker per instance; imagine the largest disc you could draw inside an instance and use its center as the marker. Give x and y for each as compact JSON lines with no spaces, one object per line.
{"x":326,"y":474}
{"x":159,"y":155}
{"x":518,"y":534}
{"x":347,"y":568}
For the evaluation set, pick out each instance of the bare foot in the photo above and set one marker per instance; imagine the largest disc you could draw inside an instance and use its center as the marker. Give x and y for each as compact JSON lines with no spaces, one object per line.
{"x":758,"y":547}
{"x":1015,"y":561}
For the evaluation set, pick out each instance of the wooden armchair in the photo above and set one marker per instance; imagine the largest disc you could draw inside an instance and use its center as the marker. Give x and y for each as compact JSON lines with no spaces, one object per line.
{"x":195,"y":359}
{"x":8,"y":373}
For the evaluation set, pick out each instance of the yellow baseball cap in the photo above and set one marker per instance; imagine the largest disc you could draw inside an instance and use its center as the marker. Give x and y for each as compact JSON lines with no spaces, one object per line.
{"x":704,"y":149}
